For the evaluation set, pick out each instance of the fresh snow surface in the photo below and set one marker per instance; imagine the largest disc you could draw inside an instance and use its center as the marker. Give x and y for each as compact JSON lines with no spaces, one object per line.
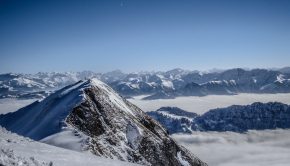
{"x":254,"y":148}
{"x":167,"y":84}
{"x":133,"y":135}
{"x":68,"y":90}
{"x":20,"y":151}
{"x":201,"y":105}
{"x":173,"y":116}
{"x":113,"y":97}
{"x":32,"y":123}
{"x":254,"y":80}
{"x":181,"y":160}
{"x":68,"y":139}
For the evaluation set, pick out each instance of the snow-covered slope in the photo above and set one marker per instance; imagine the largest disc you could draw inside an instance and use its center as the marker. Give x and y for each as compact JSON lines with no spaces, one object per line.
{"x":174,"y":119}
{"x":89,"y":116}
{"x":20,"y":151}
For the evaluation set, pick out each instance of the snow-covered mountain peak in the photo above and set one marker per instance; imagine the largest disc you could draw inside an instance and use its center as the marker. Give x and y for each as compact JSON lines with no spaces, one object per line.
{"x":91,"y":116}
{"x":111,"y":95}
{"x":170,"y":84}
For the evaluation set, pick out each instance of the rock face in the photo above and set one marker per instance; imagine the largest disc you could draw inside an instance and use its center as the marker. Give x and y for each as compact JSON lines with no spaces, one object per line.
{"x":89,"y":114}
{"x":257,"y":116}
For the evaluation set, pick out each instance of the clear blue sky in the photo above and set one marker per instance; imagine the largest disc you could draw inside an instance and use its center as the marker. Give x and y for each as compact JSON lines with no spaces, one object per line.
{"x":134,"y":35}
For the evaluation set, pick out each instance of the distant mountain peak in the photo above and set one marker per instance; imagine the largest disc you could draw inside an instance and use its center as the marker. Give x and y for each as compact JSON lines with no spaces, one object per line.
{"x":170,"y":84}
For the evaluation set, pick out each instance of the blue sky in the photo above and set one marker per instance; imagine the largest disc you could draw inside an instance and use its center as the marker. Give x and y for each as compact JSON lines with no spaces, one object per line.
{"x":135,"y":35}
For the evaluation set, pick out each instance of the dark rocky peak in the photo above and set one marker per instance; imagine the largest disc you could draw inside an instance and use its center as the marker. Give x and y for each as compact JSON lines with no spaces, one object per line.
{"x":101,"y":122}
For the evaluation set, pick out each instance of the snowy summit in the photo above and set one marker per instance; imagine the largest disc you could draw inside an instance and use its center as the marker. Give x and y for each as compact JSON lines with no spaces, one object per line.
{"x":89,"y":116}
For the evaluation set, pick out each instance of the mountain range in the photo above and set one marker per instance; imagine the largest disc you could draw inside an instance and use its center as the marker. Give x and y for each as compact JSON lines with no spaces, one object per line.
{"x":236,"y":118}
{"x":89,"y":116}
{"x":155,"y":85}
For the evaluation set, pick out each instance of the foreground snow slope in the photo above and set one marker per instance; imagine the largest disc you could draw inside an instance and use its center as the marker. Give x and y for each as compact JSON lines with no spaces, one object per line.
{"x":17,"y":150}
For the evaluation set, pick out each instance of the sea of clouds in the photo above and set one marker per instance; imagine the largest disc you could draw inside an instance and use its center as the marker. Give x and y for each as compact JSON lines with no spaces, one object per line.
{"x":11,"y":105}
{"x":203,"y":104}
{"x":254,"y":148}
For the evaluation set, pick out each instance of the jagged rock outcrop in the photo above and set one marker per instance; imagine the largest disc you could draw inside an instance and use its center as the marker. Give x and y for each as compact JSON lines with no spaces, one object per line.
{"x":89,"y":114}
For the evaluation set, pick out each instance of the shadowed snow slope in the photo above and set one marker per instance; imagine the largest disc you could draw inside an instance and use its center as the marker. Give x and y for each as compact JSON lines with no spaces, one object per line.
{"x":90,"y":116}
{"x":17,"y":150}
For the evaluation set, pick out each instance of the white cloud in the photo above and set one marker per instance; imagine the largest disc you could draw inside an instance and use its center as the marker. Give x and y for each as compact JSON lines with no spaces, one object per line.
{"x":254,"y":148}
{"x":203,"y":104}
{"x":11,"y":105}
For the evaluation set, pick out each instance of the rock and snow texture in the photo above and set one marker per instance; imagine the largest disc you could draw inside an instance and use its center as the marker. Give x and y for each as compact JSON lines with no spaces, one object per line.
{"x":91,"y":116}
{"x":174,"y":119}
{"x":41,"y":119}
{"x":20,"y":151}
{"x":257,"y":116}
{"x":181,"y":160}
{"x":133,"y":135}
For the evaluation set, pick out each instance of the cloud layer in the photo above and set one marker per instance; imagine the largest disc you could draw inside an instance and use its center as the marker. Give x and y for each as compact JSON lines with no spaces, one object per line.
{"x":203,"y":104}
{"x":254,"y":148}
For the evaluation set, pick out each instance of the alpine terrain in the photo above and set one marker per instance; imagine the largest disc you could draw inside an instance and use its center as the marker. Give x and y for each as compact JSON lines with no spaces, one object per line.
{"x":236,"y":118}
{"x":156,"y":85}
{"x":89,"y":116}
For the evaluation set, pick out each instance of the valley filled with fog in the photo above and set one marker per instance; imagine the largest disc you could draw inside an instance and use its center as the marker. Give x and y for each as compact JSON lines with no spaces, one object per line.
{"x":254,"y":148}
{"x":262,"y":148}
{"x":201,"y":105}
{"x":11,"y":105}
